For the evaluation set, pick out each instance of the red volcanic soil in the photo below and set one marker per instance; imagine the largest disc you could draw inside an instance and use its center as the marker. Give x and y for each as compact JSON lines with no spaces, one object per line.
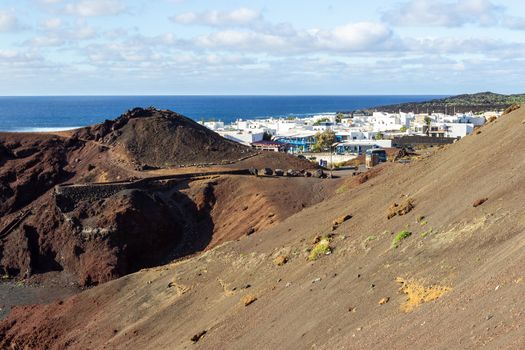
{"x":30,"y":165}
{"x":338,"y":274}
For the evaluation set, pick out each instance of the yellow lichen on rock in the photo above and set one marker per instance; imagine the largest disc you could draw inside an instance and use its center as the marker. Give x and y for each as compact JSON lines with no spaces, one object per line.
{"x":418,"y":294}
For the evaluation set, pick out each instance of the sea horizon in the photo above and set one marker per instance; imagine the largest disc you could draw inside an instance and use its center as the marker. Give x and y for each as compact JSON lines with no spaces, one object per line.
{"x":54,"y":113}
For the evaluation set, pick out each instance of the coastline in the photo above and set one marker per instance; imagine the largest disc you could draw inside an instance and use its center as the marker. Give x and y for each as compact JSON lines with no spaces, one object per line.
{"x":30,"y":114}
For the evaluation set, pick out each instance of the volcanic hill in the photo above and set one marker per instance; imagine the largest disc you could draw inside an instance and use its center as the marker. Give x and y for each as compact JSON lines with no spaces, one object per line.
{"x":76,"y":204}
{"x":422,"y":255}
{"x":160,"y":138}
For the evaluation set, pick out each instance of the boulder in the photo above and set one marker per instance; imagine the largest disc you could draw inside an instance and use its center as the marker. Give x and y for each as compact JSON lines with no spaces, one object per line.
{"x":319,"y":173}
{"x":292,"y":173}
{"x":266,"y":172}
{"x":342,"y":219}
{"x":248,"y":299}
{"x":280,"y":260}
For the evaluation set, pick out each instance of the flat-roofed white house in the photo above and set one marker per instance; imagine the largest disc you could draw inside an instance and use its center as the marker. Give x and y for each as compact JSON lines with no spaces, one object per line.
{"x":214,"y":125}
{"x":242,"y":136}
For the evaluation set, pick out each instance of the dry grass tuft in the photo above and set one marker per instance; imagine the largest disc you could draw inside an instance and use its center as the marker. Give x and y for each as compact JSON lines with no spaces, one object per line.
{"x":418,"y":294}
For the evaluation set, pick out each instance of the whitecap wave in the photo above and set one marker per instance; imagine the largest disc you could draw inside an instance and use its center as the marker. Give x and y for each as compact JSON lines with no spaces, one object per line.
{"x":43,"y":129}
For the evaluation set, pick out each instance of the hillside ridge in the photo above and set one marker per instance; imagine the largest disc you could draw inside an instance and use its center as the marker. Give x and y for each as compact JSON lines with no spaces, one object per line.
{"x":478,"y":102}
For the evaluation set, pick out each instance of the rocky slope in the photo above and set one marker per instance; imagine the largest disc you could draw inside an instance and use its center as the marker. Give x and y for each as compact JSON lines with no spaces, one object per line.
{"x":422,"y":255}
{"x":29,"y":166}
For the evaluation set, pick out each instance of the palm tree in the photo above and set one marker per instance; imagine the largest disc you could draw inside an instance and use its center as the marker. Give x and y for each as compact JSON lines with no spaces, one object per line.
{"x":428,"y":121}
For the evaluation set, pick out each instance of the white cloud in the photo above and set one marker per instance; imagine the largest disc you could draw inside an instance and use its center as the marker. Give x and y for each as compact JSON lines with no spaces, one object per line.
{"x":50,"y":2}
{"x":57,"y":33}
{"x":46,"y":41}
{"x":364,"y":36}
{"x":444,"y":13}
{"x":354,"y":37}
{"x":239,"y":17}
{"x":513,"y":22}
{"x":92,"y":8}
{"x":9,"y":22}
{"x":243,"y":51}
{"x":17,"y":58}
{"x":52,"y":23}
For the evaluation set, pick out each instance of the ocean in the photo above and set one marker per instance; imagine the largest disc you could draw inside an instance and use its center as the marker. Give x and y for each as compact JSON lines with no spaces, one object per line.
{"x":56,"y":113}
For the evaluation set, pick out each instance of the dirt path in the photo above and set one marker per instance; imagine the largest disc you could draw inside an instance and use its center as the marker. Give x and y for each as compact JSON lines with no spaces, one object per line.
{"x":16,"y":294}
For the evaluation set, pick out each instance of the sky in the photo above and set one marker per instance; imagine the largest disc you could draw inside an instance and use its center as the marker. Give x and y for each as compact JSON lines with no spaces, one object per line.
{"x":269,"y":47}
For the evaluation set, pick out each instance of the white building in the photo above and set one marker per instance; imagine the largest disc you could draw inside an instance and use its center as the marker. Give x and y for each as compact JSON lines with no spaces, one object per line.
{"x":458,"y":129}
{"x":383,"y":121}
{"x":214,"y":125}
{"x":242,"y":136}
{"x":358,"y":132}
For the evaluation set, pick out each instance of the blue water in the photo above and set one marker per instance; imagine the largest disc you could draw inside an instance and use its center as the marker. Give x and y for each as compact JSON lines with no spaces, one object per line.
{"x":48,"y":113}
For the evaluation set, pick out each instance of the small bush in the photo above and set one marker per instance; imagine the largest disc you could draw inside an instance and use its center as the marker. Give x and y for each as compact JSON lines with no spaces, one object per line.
{"x":399,"y":237}
{"x":321,"y":248}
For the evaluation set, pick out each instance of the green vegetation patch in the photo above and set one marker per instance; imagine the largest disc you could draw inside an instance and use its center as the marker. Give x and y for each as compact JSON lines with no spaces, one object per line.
{"x":400,"y":237}
{"x":320,"y":249}
{"x":479,"y":102}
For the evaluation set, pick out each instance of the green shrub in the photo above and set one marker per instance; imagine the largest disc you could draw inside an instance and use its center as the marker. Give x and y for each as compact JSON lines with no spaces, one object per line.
{"x":321,"y":248}
{"x":399,"y":237}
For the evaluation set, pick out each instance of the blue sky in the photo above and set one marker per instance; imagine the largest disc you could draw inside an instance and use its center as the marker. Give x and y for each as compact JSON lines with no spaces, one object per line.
{"x":117,"y":47}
